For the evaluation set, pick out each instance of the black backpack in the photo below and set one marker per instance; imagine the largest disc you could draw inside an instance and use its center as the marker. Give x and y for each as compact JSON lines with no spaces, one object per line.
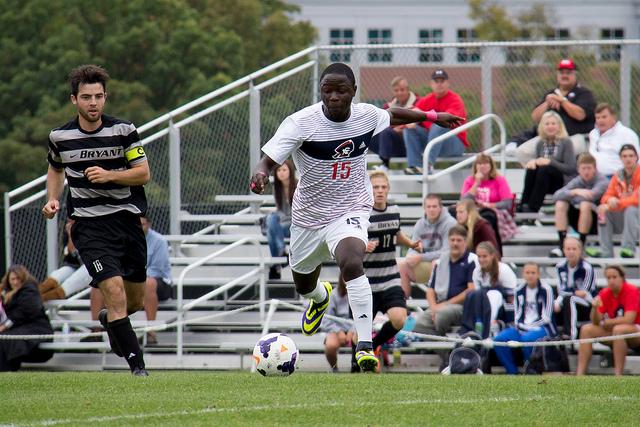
{"x":547,"y":359}
{"x":466,"y":360}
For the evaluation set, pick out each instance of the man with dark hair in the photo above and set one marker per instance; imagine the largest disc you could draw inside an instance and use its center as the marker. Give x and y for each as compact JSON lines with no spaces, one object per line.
{"x":576,"y":202}
{"x":606,"y":139}
{"x":106,"y":168}
{"x":331,"y":206}
{"x":618,"y":210}
{"x":451,"y":279}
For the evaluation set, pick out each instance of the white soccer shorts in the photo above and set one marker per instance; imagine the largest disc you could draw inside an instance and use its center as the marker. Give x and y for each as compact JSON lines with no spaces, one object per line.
{"x":309,"y":248}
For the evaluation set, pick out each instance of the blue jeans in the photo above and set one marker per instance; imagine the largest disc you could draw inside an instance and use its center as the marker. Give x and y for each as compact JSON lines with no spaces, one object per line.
{"x":505,"y":354}
{"x":276,"y":232}
{"x":417,"y":138}
{"x":388,"y":144}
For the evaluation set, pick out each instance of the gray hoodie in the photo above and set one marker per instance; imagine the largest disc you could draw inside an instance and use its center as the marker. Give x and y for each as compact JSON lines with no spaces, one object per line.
{"x":433,"y":235}
{"x":598,"y":185}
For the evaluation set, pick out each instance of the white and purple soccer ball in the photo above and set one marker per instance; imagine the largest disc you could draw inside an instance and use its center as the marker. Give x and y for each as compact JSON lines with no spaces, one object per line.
{"x":275,"y":354}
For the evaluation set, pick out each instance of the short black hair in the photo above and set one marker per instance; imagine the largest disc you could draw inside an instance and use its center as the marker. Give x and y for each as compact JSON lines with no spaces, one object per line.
{"x":628,"y":147}
{"x":87,"y":74}
{"x":342,"y":69}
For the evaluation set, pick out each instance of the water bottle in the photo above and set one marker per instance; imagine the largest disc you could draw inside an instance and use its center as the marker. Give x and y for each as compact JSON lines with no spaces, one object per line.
{"x":397,"y":356}
{"x":479,"y":327}
{"x":65,"y":332}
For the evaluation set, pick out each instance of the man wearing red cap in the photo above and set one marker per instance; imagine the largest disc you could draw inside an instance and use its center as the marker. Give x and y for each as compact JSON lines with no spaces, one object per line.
{"x":573,"y":102}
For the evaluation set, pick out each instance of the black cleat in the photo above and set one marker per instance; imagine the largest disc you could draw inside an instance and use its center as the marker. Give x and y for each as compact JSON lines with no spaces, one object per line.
{"x":140,"y":372}
{"x":102,"y":317}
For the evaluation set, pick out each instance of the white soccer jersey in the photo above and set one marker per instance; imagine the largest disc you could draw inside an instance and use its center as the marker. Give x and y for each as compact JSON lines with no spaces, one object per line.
{"x":331,"y":159}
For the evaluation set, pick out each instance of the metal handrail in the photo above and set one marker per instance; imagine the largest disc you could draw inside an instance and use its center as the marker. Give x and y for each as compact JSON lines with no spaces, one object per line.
{"x":182,"y":308}
{"x":426,"y":178}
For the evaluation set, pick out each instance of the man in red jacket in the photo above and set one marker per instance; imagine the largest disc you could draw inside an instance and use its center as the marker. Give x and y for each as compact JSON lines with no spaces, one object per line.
{"x":417,"y":136}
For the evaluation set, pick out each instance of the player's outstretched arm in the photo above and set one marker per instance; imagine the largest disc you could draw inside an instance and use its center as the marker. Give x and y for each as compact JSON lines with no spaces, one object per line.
{"x":404,"y":116}
{"x":260,"y":175}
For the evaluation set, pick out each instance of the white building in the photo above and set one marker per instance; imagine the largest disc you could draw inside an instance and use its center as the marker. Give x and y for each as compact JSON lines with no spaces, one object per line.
{"x":423,"y":21}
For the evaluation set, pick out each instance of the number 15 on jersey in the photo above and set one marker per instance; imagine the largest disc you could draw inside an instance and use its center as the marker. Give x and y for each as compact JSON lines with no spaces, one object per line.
{"x":340,"y":170}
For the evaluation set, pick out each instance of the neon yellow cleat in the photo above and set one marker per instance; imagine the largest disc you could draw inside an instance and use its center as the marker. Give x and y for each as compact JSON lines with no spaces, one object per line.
{"x":367,"y":361}
{"x":312,"y":318}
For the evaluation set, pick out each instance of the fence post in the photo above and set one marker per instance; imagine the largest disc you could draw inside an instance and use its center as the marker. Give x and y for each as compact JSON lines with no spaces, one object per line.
{"x":7,"y":231}
{"x":52,"y":244}
{"x":316,"y":75}
{"x":175,"y":189}
{"x":486,"y":67}
{"x":625,"y":84}
{"x":254,"y":130}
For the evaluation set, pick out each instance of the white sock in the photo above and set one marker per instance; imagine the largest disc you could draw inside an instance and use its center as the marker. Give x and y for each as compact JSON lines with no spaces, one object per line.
{"x":361,"y":303}
{"x":319,"y":294}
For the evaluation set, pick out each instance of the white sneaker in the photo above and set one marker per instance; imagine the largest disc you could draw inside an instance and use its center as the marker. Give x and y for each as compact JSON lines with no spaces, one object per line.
{"x":510,"y":149}
{"x":556,"y":253}
{"x":381,"y":167}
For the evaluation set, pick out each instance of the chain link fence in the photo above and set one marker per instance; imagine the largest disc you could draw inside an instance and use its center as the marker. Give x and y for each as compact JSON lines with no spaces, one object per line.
{"x":218,"y":143}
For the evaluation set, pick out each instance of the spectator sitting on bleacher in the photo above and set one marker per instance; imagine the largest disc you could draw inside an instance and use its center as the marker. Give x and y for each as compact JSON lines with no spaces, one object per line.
{"x":390,"y":143}
{"x":479,"y":229}
{"x":451,"y":280}
{"x":338,"y":334}
{"x":618,"y":210}
{"x":606,"y":139}
{"x":576,"y":202}
{"x":554,"y":165}
{"x":158,"y":285}
{"x":492,"y":194}
{"x":574,"y":103}
{"x":279,"y":222}
{"x":615,"y":311}
{"x":576,"y":288}
{"x":432,"y":231}
{"x":71,"y":277}
{"x":24,"y":315}
{"x":533,"y":304}
{"x":418,"y":135}
{"x":494,"y":284}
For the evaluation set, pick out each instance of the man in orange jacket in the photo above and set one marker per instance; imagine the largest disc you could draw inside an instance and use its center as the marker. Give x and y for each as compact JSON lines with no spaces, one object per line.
{"x":618,"y":210}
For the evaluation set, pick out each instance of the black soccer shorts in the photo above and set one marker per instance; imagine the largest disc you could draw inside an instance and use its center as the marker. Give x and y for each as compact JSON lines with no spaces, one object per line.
{"x":110,"y":246}
{"x":389,"y":298}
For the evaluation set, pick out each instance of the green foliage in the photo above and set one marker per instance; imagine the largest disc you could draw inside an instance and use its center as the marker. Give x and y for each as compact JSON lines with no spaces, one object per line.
{"x":159,"y":54}
{"x":493,"y":23}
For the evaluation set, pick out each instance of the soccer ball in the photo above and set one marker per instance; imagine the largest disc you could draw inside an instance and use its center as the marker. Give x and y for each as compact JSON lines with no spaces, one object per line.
{"x":275,"y":354}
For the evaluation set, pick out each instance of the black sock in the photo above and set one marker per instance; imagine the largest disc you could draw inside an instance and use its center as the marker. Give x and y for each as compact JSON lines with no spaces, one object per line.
{"x":562,"y":234}
{"x":385,"y":162}
{"x":128,"y":342}
{"x":386,"y":333}
{"x":583,"y":239}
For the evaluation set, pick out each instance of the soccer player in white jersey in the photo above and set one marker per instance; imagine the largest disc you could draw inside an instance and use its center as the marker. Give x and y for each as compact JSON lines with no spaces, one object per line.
{"x":330,"y":213}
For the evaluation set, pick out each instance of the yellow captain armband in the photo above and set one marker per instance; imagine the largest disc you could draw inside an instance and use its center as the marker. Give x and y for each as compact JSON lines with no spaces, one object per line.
{"x":134,"y":153}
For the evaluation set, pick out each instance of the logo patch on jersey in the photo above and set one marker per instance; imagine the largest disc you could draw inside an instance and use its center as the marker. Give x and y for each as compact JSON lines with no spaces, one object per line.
{"x":344,"y":150}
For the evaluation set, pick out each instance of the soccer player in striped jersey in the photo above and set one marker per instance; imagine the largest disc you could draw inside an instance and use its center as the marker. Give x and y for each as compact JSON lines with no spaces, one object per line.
{"x":380,"y":265}
{"x":106,"y":168}
{"x":331,"y":205}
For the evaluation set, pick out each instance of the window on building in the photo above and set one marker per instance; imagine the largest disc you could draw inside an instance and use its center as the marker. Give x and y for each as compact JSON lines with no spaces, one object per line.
{"x":340,"y":36}
{"x":561,"y":34}
{"x":611,"y":52}
{"x":380,"y":36}
{"x":520,"y":55}
{"x":468,"y":54}
{"x":432,"y":54}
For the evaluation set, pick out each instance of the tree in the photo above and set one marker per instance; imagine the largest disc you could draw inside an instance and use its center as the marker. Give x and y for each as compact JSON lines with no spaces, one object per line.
{"x":493,"y":23}
{"x":159,"y":54}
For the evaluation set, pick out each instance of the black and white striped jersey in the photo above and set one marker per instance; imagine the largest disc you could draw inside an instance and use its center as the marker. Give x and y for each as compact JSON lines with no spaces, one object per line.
{"x":331,"y":159}
{"x":115,"y":145}
{"x":380,"y":265}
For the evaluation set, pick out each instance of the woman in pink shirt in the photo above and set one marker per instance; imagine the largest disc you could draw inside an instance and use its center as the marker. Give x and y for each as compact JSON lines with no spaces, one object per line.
{"x":493,"y":196}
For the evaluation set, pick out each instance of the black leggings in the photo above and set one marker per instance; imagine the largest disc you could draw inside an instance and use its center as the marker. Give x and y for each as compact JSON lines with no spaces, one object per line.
{"x":538,"y":183}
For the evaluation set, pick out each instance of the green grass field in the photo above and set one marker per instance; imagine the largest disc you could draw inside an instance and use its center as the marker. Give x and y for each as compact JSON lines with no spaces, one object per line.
{"x":230,"y":398}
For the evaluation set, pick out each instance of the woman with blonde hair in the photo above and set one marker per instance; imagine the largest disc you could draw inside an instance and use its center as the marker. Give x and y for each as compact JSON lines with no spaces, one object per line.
{"x":24,"y":316}
{"x":479,"y":229}
{"x":554,"y":165}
